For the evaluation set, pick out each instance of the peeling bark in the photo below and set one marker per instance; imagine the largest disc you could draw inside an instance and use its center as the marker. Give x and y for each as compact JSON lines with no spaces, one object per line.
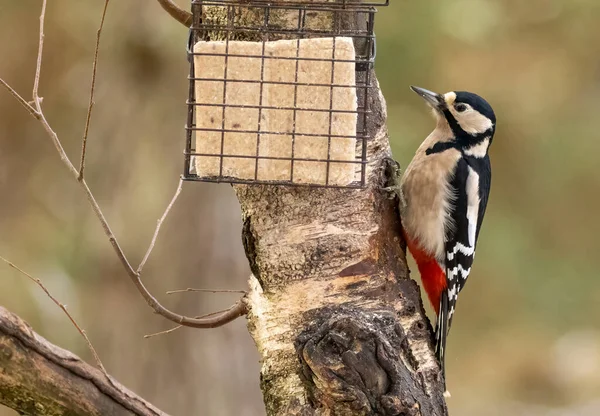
{"x":41,"y":379}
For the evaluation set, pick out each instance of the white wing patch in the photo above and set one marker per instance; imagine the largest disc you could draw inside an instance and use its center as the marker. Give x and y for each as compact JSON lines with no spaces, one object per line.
{"x":472,"y":204}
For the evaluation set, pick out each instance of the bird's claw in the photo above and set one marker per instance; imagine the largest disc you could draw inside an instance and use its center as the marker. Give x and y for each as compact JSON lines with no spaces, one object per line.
{"x":391,"y":177}
{"x":392,"y":191}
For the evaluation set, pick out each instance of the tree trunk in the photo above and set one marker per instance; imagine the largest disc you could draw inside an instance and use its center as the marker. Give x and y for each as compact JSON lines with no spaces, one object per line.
{"x":338,"y":324}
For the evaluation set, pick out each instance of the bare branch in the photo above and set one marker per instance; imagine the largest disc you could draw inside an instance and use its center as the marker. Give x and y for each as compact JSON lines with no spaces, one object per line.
{"x":175,"y":328}
{"x":20,"y":99}
{"x":168,"y":331}
{"x":64,"y":309}
{"x":56,"y":141}
{"x":92,"y":88}
{"x":235,"y":311}
{"x":158,"y":225}
{"x":38,"y":68}
{"x":190,"y":289}
{"x":206,"y":315}
{"x":182,"y":16}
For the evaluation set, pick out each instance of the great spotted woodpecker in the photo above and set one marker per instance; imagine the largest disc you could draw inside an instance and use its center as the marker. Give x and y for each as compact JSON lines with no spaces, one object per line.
{"x":444,"y":193}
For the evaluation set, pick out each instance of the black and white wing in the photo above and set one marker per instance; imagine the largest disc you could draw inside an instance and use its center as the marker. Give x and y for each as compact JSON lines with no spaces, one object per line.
{"x":470,"y":187}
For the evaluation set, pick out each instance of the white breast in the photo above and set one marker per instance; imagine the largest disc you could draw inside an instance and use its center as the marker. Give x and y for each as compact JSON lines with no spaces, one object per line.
{"x":428,"y":198}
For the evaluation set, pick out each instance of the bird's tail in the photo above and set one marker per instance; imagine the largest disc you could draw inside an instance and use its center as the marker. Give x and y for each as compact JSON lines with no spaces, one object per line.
{"x":441,"y":333}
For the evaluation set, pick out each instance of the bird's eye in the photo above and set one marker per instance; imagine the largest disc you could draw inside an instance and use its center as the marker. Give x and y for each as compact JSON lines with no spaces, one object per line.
{"x":460,"y":107}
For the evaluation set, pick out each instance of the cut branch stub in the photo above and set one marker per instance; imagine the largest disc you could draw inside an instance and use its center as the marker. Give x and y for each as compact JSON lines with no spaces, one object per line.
{"x":351,"y":363}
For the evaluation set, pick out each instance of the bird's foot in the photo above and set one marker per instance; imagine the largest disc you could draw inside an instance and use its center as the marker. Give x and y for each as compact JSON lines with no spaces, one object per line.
{"x":391,"y":181}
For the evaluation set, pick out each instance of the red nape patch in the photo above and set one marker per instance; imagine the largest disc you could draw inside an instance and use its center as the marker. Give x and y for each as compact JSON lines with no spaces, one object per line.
{"x":432,"y":275}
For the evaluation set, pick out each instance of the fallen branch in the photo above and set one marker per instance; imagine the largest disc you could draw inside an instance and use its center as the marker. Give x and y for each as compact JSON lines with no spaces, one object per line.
{"x":34,"y":370}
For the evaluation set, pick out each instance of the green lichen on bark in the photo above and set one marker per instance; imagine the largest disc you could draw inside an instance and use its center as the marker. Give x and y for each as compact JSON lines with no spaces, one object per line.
{"x":41,"y":379}
{"x":30,"y":396}
{"x":17,"y":398}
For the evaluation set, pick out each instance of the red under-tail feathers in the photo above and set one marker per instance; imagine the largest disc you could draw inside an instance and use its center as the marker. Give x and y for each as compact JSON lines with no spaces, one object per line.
{"x":434,"y":282}
{"x":432,"y":275}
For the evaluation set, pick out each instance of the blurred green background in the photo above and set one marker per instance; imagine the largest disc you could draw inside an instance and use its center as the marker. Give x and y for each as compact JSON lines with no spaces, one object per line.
{"x":526,"y":339}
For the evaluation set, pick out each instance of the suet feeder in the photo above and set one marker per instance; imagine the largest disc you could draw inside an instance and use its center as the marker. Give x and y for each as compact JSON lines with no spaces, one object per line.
{"x":278,"y":91}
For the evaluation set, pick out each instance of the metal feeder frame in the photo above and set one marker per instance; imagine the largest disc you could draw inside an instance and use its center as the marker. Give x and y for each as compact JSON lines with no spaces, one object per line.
{"x":364,"y":61}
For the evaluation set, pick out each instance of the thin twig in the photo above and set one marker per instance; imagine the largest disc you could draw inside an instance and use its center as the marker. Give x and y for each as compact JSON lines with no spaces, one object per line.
{"x":158,"y":225}
{"x":235,"y":311}
{"x":20,"y":99}
{"x":190,"y":289}
{"x":37,"y":101}
{"x":182,"y":16}
{"x":168,"y":331}
{"x":64,"y":309}
{"x":92,"y":89}
{"x":38,"y":68}
{"x":206,"y":315}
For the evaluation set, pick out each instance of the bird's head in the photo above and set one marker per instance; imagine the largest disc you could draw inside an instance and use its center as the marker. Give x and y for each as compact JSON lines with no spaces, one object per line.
{"x":467,"y":114}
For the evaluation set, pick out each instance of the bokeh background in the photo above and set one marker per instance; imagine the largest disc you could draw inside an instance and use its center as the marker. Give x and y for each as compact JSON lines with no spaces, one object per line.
{"x":526,"y":339}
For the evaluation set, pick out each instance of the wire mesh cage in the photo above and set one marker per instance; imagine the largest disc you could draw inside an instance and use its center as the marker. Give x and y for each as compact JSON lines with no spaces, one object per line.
{"x":278,"y":91}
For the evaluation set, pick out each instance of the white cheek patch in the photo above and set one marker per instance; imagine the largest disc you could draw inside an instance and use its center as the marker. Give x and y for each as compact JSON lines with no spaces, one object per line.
{"x":473,"y":122}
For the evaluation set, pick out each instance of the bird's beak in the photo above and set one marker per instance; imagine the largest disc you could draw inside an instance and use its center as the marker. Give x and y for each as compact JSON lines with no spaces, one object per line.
{"x":435,"y":100}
